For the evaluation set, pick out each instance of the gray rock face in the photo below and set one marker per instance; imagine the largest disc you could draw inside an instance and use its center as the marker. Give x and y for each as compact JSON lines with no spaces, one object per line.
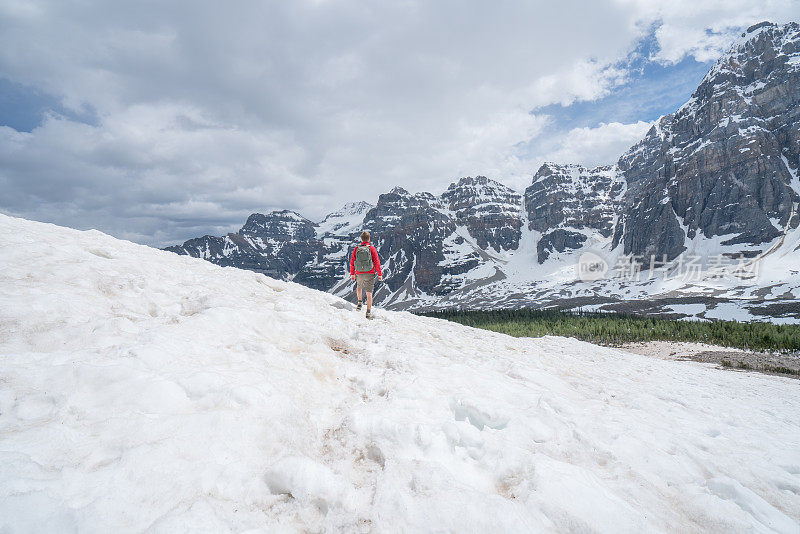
{"x":279,"y":244}
{"x":573,"y":196}
{"x":231,"y":250}
{"x":566,"y":201}
{"x":337,"y":233}
{"x":410,"y":231}
{"x":558,"y":240}
{"x":346,"y":221}
{"x":489,"y":210}
{"x":721,"y":165}
{"x":278,"y":227}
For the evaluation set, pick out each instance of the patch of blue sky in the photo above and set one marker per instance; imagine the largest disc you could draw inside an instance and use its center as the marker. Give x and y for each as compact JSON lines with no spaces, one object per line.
{"x":23,"y":107}
{"x":652,"y":89}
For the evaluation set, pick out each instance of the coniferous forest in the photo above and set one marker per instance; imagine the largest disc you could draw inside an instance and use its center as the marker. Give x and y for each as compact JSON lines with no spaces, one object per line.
{"x":615,"y":329}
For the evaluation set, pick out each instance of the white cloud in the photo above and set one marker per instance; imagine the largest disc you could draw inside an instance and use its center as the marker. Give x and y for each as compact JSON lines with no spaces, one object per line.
{"x":147,"y":165}
{"x":705,"y":29}
{"x":601,"y":145}
{"x":583,"y":80}
{"x":589,"y":146}
{"x":206,"y":112}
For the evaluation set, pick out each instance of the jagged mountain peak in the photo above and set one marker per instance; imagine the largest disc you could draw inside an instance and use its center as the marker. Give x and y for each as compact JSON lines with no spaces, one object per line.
{"x":349,"y":209}
{"x":489,"y":210}
{"x":754,"y":27}
{"x":477,"y":179}
{"x":749,"y":63}
{"x":274,"y":217}
{"x":574,"y":171}
{"x":399,"y":199}
{"x":787,"y":31}
{"x":283,"y":214}
{"x":478,"y":185}
{"x":345,"y":220}
{"x":552,"y":165}
{"x":471,"y":180}
{"x":360,"y":206}
{"x":720,"y":166}
{"x":718,"y":174}
{"x":278,"y":224}
{"x":571,"y":204}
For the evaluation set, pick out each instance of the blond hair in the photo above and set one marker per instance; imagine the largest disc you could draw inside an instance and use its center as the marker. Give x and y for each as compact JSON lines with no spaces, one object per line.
{"x":365,"y":235}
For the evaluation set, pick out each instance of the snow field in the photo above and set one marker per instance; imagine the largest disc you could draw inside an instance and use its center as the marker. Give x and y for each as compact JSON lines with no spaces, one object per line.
{"x":142,"y":390}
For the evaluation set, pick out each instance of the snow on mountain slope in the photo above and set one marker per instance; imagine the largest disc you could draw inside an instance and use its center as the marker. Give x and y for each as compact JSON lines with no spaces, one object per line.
{"x":709,"y":187}
{"x":345,"y":221}
{"x":146,"y":390}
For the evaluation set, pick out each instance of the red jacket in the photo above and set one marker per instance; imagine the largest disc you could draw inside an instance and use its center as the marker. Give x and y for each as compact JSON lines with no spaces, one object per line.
{"x":376,"y":262}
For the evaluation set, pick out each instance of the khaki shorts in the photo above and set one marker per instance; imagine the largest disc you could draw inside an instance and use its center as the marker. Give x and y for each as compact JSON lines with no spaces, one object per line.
{"x":365,"y":281}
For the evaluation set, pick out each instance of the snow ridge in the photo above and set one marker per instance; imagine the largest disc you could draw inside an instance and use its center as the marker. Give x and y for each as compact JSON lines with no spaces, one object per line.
{"x":144,"y":390}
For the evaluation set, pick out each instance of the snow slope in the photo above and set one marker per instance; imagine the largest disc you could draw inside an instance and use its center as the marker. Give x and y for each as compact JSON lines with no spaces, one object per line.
{"x":145,"y":390}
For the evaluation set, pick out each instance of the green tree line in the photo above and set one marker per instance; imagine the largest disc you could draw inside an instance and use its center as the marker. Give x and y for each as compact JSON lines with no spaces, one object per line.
{"x":617,"y":328}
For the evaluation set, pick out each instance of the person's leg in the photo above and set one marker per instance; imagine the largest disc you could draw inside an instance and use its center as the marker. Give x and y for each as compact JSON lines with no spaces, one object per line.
{"x":369,"y":285}
{"x":358,"y":293}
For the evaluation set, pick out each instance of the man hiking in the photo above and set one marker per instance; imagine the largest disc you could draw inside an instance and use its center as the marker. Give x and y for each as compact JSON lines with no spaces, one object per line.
{"x":364,"y":266}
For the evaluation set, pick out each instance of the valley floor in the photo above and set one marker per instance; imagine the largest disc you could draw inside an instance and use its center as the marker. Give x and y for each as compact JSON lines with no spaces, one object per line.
{"x":726,"y":357}
{"x":142,"y":390}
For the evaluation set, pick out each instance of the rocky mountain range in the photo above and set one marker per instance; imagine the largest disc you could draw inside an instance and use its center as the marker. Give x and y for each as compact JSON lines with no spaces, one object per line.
{"x":715,"y":184}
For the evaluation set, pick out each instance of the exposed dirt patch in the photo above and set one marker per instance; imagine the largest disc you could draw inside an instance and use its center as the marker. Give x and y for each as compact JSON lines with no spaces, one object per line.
{"x":778,"y":309}
{"x":725,"y":357}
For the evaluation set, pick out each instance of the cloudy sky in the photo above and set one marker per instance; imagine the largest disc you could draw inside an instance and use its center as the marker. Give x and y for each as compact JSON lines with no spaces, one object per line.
{"x":159,"y":121}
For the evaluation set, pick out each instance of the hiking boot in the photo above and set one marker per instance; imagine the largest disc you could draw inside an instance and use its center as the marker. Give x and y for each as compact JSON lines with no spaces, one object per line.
{"x":369,"y":314}
{"x":358,"y":307}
